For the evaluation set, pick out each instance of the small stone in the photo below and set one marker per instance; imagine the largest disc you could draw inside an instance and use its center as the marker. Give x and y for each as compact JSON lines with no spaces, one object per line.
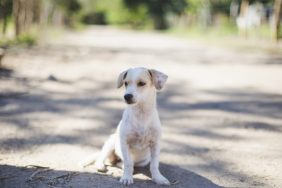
{"x":52,"y":78}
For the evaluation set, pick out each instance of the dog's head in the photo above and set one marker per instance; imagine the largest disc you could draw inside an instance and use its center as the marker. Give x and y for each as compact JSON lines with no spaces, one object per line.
{"x":140,"y":83}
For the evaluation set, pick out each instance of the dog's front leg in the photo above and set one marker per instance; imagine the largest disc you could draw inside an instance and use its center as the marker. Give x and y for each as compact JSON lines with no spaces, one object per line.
{"x":127,"y":177}
{"x":154,"y":165}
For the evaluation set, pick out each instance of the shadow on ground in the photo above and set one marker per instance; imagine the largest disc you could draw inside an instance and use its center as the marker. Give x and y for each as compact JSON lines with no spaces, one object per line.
{"x":4,"y":72}
{"x":19,"y":177}
{"x":20,"y":111}
{"x":243,"y":101}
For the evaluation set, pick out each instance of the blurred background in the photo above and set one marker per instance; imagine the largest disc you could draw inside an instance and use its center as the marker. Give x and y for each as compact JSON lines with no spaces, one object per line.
{"x":24,"y":21}
{"x":221,"y":108}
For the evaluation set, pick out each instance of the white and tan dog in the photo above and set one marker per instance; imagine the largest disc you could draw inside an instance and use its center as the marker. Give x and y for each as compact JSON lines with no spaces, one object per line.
{"x":137,"y":138}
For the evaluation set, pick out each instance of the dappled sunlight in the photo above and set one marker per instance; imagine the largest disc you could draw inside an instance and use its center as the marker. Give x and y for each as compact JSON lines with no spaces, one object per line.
{"x":221,"y":122}
{"x":220,"y":108}
{"x":204,"y":129}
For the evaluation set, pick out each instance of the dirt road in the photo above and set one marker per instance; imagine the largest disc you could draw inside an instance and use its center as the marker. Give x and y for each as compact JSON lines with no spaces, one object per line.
{"x":221,"y":111}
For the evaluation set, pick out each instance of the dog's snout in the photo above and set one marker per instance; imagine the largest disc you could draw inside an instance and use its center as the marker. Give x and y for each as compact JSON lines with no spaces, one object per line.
{"x":128,"y":98}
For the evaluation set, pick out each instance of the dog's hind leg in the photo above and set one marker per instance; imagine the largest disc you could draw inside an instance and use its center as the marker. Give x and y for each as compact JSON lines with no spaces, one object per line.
{"x":112,"y":159}
{"x":107,"y":151}
{"x":88,"y":161}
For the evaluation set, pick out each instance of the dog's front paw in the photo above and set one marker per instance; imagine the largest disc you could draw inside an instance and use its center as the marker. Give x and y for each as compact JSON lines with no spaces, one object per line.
{"x":126,"y":180}
{"x":100,"y":167}
{"x":161,"y":180}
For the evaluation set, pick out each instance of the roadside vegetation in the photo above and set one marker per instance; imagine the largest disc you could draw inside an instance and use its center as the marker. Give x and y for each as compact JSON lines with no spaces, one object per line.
{"x":23,"y":22}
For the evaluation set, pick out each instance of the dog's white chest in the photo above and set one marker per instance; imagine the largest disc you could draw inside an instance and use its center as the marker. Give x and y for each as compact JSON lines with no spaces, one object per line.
{"x":140,"y":138}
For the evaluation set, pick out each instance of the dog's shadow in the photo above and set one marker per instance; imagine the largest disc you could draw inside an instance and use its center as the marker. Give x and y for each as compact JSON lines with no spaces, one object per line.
{"x":178,"y":177}
{"x":17,"y":177}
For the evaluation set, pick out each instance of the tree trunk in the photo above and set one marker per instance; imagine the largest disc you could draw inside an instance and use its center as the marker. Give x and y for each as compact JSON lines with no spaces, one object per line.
{"x":244,"y":7}
{"x":16,"y":14}
{"x":4,"y":16}
{"x":160,"y":22}
{"x":5,"y":22}
{"x":277,"y":15}
{"x":23,"y":12}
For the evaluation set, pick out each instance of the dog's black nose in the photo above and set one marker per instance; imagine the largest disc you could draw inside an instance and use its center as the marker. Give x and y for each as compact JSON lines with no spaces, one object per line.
{"x":128,"y":98}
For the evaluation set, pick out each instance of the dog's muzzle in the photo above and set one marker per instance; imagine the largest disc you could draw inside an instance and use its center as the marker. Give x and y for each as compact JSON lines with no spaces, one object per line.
{"x":129,"y":98}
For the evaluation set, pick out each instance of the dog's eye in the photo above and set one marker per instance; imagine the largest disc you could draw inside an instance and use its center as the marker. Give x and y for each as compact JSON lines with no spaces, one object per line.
{"x":140,"y":84}
{"x":125,"y":83}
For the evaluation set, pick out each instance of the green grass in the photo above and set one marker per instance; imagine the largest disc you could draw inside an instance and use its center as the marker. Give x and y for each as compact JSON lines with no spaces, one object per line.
{"x":227,"y":35}
{"x":27,"y":40}
{"x":225,"y":29}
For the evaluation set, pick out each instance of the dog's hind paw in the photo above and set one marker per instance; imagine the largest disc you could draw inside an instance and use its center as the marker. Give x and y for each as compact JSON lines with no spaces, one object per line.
{"x":100,"y":167}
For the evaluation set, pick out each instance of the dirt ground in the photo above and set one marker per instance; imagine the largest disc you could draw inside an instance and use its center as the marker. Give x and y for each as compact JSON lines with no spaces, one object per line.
{"x":221,"y":111}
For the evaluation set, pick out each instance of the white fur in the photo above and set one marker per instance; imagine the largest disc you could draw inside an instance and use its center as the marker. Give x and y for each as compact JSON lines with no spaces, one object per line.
{"x":137,"y":138}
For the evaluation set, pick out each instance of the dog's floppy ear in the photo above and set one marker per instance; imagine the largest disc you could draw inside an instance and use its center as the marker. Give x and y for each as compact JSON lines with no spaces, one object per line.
{"x":158,"y":78}
{"x":121,"y":77}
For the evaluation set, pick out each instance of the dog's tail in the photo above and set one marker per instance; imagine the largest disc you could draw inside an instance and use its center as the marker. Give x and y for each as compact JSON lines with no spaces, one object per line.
{"x":88,"y":161}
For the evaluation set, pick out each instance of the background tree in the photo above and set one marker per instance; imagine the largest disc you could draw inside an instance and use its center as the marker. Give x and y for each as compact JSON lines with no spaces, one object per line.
{"x":139,"y":14}
{"x":158,"y":9}
{"x":5,"y":13}
{"x":25,"y":13}
{"x":70,"y":8}
{"x":277,"y":19}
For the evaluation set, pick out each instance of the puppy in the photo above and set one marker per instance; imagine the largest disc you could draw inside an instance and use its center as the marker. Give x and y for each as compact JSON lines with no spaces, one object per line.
{"x":136,"y":141}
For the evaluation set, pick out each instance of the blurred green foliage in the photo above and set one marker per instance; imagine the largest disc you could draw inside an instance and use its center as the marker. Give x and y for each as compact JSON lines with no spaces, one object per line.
{"x":5,"y":13}
{"x":203,"y":16}
{"x":70,"y":8}
{"x":157,"y":10}
{"x":26,"y":40}
{"x":114,"y":12}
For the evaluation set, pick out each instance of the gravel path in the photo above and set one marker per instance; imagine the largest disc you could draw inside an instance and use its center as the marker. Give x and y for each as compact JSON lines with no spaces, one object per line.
{"x":221,"y":111}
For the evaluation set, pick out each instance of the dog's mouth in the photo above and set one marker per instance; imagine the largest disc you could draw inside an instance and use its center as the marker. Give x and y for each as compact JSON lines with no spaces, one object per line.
{"x":130,"y":102}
